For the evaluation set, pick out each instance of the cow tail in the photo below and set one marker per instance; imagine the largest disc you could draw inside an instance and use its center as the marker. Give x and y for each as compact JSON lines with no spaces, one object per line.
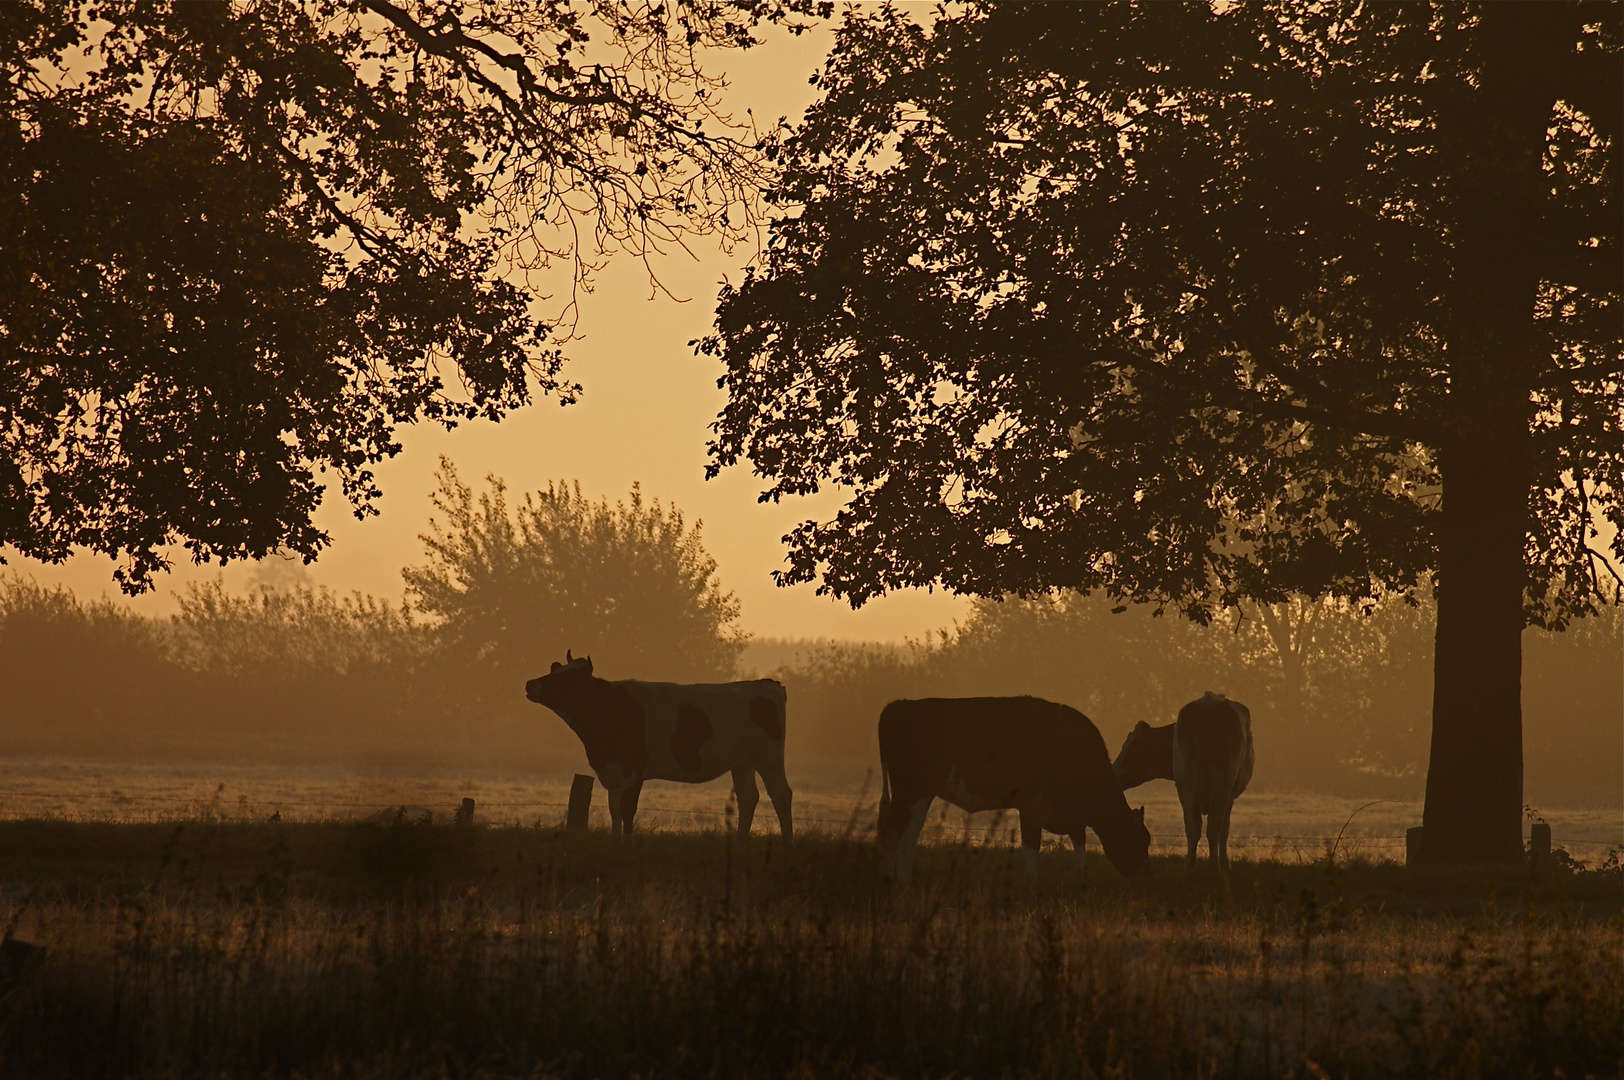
{"x":885,"y":793}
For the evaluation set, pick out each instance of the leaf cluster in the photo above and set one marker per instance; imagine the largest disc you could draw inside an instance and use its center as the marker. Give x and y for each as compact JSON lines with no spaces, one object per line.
{"x":245,"y":242}
{"x":1161,"y":300}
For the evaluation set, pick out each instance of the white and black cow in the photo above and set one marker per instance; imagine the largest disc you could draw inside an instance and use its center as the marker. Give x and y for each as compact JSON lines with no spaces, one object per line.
{"x":1207,"y":753}
{"x":1044,"y":760}
{"x":635,"y":731}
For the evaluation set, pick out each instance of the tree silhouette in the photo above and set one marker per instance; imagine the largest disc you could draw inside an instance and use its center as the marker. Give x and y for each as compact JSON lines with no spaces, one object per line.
{"x":244,"y":242}
{"x":512,"y":588}
{"x":1195,"y":304}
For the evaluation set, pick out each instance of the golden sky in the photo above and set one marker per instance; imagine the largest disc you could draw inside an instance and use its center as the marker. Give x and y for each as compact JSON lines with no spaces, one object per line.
{"x":643,"y":418}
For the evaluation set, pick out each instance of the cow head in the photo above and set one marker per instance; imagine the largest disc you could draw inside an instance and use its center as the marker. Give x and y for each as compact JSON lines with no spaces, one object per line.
{"x":557,"y":684}
{"x":1126,"y":841}
{"x":1146,"y":754}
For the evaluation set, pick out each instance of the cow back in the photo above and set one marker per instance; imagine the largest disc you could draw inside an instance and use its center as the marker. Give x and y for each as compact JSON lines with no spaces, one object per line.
{"x":696,"y":731}
{"x":1212,"y":749}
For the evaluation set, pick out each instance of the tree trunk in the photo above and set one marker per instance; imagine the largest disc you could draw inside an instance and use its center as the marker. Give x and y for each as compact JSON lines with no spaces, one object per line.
{"x":1474,"y":779}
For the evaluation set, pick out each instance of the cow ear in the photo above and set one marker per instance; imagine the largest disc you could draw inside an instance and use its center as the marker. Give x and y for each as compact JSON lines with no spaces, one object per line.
{"x":1140,"y":814}
{"x":1141,"y":726}
{"x":556,"y":665}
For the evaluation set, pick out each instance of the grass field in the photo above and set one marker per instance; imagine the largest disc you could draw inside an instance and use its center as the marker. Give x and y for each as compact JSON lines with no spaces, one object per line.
{"x":247,"y":949}
{"x":830,"y":797}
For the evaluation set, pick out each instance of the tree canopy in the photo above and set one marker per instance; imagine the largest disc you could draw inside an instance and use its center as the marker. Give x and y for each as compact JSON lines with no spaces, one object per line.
{"x":1196,"y":303}
{"x":513,"y":588}
{"x":245,"y":242}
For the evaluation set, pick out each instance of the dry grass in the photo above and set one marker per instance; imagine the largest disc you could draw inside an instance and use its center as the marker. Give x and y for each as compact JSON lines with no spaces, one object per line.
{"x":413,"y":951}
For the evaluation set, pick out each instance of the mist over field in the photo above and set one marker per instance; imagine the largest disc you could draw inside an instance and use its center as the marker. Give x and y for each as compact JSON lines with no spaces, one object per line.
{"x":292,"y":674}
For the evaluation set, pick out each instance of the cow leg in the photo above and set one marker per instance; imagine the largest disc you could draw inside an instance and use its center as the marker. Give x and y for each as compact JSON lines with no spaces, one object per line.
{"x":910,"y":837}
{"x":1192,"y":830}
{"x":1218,"y":836}
{"x":888,"y":829}
{"x":628,"y":806}
{"x":615,"y":794}
{"x":778,"y":791}
{"x":1031,"y":841}
{"x":1079,"y":844}
{"x":744,"y":788}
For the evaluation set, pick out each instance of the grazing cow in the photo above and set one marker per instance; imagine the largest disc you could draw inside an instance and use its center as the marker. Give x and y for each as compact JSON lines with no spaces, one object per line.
{"x":635,"y":731}
{"x":1207,"y":752}
{"x":1044,"y":760}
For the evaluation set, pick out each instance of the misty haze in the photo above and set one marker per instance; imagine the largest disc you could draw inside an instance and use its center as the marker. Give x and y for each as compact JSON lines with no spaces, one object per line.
{"x":738,"y":539}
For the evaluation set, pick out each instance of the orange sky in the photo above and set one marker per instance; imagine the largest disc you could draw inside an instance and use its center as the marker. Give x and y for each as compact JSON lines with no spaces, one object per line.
{"x":644,"y":418}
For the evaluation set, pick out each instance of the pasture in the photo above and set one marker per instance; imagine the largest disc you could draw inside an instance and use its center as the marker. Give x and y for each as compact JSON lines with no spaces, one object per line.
{"x":202,"y":939}
{"x":830,"y":796}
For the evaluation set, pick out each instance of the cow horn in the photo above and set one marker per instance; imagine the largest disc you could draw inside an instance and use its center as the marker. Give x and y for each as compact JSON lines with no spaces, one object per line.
{"x":568,"y":659}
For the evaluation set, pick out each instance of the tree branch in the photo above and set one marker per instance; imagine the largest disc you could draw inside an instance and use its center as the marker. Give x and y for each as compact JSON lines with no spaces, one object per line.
{"x":1385,"y":425}
{"x":1566,"y":376}
{"x":452,"y":45}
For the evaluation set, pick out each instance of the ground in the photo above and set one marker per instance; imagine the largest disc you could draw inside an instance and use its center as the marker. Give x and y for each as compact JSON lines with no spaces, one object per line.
{"x":216,"y":942}
{"x":1289,"y":826}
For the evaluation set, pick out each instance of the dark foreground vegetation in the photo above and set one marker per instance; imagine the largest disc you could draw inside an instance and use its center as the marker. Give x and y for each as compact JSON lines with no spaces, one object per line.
{"x":228,"y":950}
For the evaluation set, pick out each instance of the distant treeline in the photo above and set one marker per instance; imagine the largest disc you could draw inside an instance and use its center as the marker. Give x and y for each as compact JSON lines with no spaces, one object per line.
{"x":302,"y":673}
{"x":1341,"y":696}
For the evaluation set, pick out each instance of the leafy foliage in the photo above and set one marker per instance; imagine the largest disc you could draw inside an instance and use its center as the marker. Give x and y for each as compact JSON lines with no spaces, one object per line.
{"x":1178,"y":301}
{"x":244,"y":242}
{"x":64,"y":662}
{"x":290,"y":633}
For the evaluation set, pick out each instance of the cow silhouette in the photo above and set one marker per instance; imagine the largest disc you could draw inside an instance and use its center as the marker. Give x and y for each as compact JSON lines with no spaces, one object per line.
{"x":1207,"y":753}
{"x":1044,"y":760}
{"x":635,"y":731}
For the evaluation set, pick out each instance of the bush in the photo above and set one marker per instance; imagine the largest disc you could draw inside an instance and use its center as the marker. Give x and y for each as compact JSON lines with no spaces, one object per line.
{"x":511,"y":589}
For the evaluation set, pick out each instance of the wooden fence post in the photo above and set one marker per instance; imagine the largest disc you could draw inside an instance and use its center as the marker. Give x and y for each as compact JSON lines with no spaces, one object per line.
{"x":1412,"y":845}
{"x":1539,"y":845}
{"x":580,"y":803}
{"x":465,"y":813}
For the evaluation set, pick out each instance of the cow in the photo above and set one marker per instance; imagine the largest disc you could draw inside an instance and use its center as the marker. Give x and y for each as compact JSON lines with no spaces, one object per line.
{"x":1207,"y":753}
{"x":1044,"y":760}
{"x":635,"y":731}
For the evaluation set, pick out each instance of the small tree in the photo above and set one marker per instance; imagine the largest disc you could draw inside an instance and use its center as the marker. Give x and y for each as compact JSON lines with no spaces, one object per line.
{"x":514,"y":587}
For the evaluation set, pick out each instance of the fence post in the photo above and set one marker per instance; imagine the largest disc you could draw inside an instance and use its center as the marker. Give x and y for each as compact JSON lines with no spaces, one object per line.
{"x":1412,"y":845}
{"x":580,"y":803}
{"x":1539,"y":845}
{"x":465,"y":813}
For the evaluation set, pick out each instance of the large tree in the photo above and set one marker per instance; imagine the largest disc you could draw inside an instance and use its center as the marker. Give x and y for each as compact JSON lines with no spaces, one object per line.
{"x":243,"y":242}
{"x":1195,"y":303}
